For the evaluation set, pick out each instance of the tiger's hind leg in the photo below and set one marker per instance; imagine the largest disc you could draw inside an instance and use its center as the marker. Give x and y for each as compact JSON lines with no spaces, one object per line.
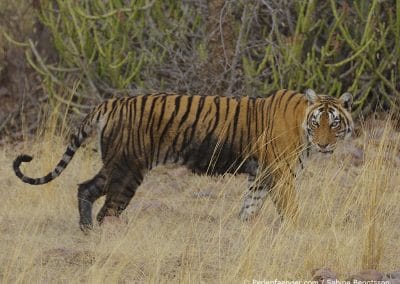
{"x":254,"y":198}
{"x":120,"y":190}
{"x":88,"y":192}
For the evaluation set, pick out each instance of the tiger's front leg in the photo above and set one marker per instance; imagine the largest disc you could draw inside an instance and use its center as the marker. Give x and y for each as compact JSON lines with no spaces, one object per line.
{"x":285,"y":199}
{"x":283,"y":196}
{"x":254,"y":198}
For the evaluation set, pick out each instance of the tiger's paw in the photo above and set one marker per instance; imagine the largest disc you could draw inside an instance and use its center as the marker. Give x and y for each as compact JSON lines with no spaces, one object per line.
{"x":247,"y":213}
{"x":86,"y":228}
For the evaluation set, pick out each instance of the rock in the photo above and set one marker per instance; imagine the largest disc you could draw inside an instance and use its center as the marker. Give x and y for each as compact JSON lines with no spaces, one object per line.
{"x":357,"y":156}
{"x":368,"y":275}
{"x":322,"y":275}
{"x":350,"y":151}
{"x":393,"y":275}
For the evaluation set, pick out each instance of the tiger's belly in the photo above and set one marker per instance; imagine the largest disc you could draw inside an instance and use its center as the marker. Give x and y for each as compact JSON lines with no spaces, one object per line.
{"x":217,"y":160}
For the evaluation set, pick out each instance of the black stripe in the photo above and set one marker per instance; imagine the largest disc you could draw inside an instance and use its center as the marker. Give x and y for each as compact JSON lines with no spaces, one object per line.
{"x":227,"y":108}
{"x":62,"y":164}
{"x":231,"y":143}
{"x":69,"y":152}
{"x":240,"y":149}
{"x":297,"y":104}
{"x":119,"y":126}
{"x":208,"y":112}
{"x":162,"y":113}
{"x":143,"y":100}
{"x":45,"y":179}
{"x":135,"y":131}
{"x":182,"y":132}
{"x":105,"y":108}
{"x":166,"y":155}
{"x":151,"y":113}
{"x":109,"y":119}
{"x":301,"y":163}
{"x":197,"y":117}
{"x":98,"y":116}
{"x":84,"y":134}
{"x":235,"y":121}
{"x":167,"y":126}
{"x":153,"y":129}
{"x":255,"y":112}
{"x":249,"y":123}
{"x":113,"y":108}
{"x":271,"y":121}
{"x":132,"y":131}
{"x":222,"y":148}
{"x":292,"y":95}
{"x":280,"y":99}
{"x":185,"y":143}
{"x":186,"y":114}
{"x":217,"y":103}
{"x":178,"y":134}
{"x":75,"y":141}
{"x":210,"y":130}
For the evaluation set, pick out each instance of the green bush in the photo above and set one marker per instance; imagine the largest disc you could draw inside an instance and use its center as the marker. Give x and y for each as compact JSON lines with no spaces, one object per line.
{"x":109,"y":46}
{"x":332,"y":46}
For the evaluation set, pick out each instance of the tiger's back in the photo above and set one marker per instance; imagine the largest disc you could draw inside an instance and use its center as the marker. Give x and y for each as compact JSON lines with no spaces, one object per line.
{"x":208,"y":134}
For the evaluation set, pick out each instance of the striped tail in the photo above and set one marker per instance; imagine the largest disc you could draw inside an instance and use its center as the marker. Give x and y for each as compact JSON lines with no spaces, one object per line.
{"x":62,"y":164}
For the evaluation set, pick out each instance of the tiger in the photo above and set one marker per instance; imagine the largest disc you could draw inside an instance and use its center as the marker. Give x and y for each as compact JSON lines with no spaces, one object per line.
{"x":265,"y":138}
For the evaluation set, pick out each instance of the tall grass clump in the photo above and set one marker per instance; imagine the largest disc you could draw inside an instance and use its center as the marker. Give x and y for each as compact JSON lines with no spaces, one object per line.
{"x":376,"y":179}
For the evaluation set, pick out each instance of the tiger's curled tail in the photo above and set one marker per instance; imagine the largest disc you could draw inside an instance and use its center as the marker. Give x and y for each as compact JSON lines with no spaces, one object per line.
{"x":76,"y":141}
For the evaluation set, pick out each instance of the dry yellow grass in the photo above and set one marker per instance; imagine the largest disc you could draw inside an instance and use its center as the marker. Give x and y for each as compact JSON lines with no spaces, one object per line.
{"x":185,"y":227}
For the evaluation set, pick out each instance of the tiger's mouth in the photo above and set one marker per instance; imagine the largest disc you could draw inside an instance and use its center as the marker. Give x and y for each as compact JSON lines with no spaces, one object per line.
{"x":325,"y":151}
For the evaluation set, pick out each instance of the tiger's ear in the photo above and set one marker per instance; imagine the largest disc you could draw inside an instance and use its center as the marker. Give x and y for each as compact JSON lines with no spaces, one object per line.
{"x":311,"y":96}
{"x":346,"y":100}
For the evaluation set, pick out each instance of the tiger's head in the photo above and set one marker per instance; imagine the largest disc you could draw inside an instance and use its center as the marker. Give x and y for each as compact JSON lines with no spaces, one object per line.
{"x":327,"y":120}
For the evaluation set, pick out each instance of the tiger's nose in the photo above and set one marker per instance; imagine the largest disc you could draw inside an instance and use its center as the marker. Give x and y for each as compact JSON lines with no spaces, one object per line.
{"x":323,"y":146}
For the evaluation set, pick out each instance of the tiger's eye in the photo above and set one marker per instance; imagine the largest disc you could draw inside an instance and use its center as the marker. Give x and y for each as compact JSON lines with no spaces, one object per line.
{"x":335,"y":123}
{"x":314,"y":122}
